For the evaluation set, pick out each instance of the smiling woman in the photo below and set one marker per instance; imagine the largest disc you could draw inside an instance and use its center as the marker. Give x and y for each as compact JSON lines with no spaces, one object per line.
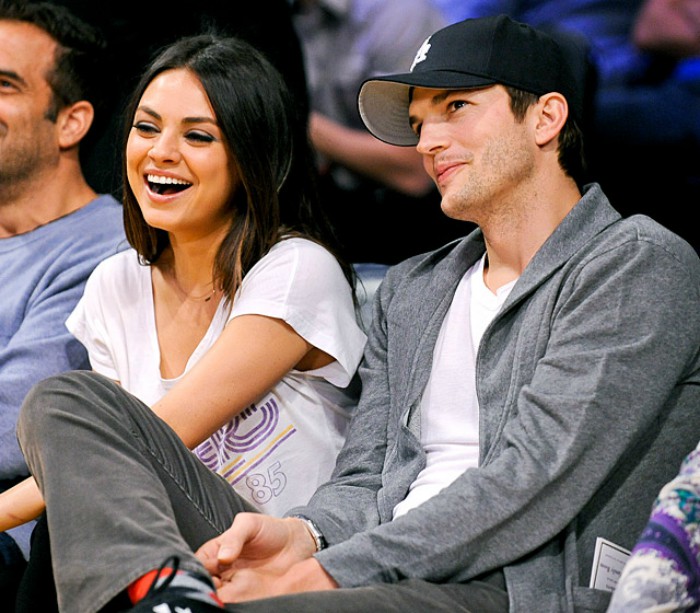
{"x":179,"y":169}
{"x":220,"y":204}
{"x":229,"y":329}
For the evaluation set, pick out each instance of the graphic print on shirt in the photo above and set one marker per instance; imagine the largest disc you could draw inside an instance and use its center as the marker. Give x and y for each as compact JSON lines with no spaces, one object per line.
{"x":665,"y":561}
{"x":243,"y":451}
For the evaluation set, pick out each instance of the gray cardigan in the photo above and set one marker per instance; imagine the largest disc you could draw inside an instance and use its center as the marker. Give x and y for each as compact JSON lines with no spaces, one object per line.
{"x":589,"y":389}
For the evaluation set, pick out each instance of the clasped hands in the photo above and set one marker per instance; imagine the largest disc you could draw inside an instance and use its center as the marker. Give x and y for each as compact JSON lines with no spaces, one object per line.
{"x":261,"y":556}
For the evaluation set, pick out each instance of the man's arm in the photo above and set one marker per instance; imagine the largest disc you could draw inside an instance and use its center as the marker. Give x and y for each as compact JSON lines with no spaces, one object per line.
{"x":400,"y":168}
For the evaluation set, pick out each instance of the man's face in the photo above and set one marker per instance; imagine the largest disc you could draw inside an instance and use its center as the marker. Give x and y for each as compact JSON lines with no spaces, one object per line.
{"x":28,"y":140}
{"x":479,"y":156}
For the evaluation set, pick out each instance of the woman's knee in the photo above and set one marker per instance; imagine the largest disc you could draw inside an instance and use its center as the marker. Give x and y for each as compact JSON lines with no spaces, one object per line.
{"x":59,"y":394}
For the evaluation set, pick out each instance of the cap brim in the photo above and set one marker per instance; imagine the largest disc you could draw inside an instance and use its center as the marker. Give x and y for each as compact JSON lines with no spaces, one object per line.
{"x":383,"y":101}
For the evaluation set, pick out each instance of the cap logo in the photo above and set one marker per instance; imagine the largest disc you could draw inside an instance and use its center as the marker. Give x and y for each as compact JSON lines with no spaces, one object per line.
{"x":422,"y":54}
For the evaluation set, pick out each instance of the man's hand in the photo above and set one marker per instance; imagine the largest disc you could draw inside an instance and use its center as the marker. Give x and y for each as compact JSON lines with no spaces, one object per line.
{"x":260,"y":556}
{"x":255,"y":582}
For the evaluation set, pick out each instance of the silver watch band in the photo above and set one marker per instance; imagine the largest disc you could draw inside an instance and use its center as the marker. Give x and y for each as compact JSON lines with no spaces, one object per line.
{"x":315,"y":533}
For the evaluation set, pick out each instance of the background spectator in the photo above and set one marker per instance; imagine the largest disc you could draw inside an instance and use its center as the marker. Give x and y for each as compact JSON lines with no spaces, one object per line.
{"x":379,"y":197}
{"x":663,"y":572}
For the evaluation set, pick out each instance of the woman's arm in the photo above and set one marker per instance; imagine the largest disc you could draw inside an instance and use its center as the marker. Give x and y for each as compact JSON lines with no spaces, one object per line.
{"x":20,"y":504}
{"x":252,"y":354}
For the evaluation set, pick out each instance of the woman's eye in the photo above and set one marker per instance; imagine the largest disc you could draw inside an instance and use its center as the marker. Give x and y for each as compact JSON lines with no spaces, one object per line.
{"x":455,"y":105}
{"x":145,"y":128}
{"x":200,"y":137}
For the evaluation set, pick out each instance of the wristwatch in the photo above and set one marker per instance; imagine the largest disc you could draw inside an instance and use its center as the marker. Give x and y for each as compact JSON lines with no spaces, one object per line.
{"x":315,"y":533}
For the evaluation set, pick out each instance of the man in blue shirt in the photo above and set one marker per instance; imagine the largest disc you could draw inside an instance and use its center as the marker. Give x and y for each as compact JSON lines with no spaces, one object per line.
{"x":54,"y":228}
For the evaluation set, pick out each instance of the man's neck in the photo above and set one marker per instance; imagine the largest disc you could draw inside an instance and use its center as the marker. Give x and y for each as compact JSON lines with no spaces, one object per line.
{"x":511,"y":243}
{"x":28,"y":207}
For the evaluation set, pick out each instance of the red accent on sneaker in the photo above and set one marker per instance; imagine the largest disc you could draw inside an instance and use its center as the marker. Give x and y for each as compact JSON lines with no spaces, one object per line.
{"x":139,"y":588}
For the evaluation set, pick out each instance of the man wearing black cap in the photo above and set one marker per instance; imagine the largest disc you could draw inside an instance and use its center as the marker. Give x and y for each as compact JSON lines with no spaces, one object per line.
{"x":527,"y":390}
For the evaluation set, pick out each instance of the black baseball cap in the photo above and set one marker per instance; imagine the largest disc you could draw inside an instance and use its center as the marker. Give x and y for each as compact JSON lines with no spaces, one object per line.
{"x":470,"y":54}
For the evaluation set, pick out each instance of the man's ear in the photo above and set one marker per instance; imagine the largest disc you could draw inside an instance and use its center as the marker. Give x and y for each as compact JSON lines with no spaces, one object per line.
{"x":73,"y":123}
{"x":552,"y":112}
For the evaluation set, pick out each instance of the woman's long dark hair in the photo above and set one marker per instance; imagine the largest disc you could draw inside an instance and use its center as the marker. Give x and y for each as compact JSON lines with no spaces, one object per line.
{"x":269,"y":147}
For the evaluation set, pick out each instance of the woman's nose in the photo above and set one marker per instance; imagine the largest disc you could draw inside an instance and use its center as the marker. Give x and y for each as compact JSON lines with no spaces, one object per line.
{"x":165,"y":149}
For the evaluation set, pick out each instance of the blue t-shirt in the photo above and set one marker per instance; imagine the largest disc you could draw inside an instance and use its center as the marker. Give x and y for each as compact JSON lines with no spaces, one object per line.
{"x":42,"y":275}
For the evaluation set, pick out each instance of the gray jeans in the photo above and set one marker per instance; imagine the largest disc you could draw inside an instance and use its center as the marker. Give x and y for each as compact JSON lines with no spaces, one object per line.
{"x":123,"y":493}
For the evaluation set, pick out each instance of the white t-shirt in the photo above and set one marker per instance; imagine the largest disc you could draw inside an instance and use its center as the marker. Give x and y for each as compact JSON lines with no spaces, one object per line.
{"x":449,"y":406}
{"x":279,"y":449}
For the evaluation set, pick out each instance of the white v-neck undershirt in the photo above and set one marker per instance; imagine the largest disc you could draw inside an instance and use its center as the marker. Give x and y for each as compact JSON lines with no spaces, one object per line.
{"x":449,"y":406}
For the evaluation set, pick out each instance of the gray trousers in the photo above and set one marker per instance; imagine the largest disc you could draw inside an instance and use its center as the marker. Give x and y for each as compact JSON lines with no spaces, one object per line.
{"x":123,"y":493}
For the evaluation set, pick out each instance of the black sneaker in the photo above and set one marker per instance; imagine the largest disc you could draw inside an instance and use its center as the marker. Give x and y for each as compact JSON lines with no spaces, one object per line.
{"x":164,"y":598}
